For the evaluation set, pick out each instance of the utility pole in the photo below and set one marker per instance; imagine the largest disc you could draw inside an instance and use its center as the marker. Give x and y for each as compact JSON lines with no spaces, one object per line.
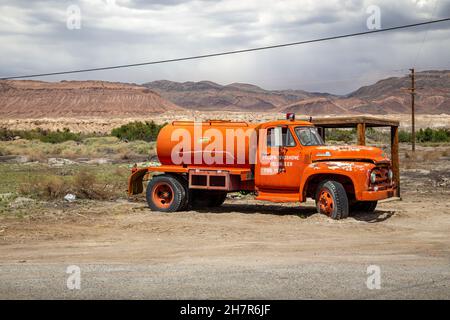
{"x":413,"y":93}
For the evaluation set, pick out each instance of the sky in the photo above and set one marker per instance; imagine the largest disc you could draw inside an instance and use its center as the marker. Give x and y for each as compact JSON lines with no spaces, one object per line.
{"x":57,"y":35}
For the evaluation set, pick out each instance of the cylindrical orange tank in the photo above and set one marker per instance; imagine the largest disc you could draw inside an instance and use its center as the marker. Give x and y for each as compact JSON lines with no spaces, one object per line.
{"x":214,"y":143}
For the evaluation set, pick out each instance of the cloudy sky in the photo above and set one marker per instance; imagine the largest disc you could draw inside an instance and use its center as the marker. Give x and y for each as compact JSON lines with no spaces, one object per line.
{"x":43,"y":36}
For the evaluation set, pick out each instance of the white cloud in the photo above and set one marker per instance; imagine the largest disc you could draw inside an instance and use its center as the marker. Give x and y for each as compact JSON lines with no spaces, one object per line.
{"x":34,"y":39}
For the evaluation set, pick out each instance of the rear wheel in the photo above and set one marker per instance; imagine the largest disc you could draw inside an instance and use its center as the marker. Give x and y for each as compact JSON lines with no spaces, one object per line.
{"x":165,"y":193}
{"x":183,"y":182}
{"x":332,"y":200}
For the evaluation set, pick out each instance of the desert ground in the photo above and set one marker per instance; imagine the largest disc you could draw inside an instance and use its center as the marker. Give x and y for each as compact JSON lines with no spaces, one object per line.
{"x":244,"y":249}
{"x":106,"y":124}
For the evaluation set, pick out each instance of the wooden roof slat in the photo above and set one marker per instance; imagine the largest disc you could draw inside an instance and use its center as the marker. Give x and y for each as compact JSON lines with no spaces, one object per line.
{"x":352,"y":121}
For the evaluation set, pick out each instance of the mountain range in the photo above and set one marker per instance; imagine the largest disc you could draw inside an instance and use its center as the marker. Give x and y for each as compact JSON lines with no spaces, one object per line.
{"x":385,"y":96}
{"x":36,"y":99}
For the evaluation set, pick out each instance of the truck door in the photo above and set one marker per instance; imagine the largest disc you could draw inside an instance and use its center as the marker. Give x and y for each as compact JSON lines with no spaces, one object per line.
{"x":279,"y":166}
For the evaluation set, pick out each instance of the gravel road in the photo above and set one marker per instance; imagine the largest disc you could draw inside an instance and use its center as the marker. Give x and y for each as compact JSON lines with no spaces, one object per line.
{"x":246,"y":249}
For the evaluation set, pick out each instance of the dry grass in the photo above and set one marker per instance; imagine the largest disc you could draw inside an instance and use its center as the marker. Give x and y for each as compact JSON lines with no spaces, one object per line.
{"x":86,"y":186}
{"x":422,"y":155}
{"x":84,"y":183}
{"x":98,"y":147}
{"x":51,"y":187}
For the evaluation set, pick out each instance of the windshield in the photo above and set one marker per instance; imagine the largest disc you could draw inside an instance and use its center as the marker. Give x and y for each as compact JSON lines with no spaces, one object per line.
{"x":309,"y":136}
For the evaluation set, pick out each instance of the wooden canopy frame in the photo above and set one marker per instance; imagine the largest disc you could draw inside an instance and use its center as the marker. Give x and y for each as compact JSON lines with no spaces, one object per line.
{"x":361,"y":123}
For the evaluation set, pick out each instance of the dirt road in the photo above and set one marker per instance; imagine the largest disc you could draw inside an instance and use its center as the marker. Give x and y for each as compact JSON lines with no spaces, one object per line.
{"x":245,"y":249}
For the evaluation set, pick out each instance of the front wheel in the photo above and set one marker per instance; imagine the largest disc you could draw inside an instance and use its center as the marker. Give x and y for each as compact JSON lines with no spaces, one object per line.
{"x":332,"y":200}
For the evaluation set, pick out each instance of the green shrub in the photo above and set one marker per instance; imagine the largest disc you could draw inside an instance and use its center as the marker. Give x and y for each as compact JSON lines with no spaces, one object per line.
{"x":441,"y":135}
{"x":427,"y":135}
{"x":60,"y":136}
{"x":404,"y":136}
{"x":41,"y":134}
{"x":346,"y":135}
{"x":147,"y":131}
{"x":433,"y":135}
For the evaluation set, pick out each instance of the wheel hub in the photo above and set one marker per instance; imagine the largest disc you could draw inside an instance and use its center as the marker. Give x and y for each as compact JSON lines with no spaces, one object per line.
{"x":326,"y":203}
{"x":162,"y":195}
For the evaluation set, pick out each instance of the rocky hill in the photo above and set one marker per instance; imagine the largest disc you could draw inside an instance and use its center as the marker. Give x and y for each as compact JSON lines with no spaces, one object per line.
{"x":207,"y":95}
{"x":384,"y":97}
{"x":314,"y":106}
{"x":37,"y":99}
{"x":390,"y":95}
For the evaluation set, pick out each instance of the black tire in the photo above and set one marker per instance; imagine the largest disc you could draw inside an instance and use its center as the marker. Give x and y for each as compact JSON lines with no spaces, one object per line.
{"x":172,"y":186}
{"x":184,"y":184}
{"x":206,"y":198}
{"x":364,"y":206}
{"x":334,"y":192}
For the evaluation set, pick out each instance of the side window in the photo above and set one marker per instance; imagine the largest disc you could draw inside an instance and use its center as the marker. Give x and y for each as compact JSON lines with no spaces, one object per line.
{"x":288,"y":139}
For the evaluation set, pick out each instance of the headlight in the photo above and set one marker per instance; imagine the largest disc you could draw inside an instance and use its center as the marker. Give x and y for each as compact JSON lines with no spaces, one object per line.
{"x":390,"y":174}
{"x":373,"y":177}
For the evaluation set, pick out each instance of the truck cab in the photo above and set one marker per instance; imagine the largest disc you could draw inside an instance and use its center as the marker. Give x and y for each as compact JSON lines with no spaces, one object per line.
{"x":285,"y":161}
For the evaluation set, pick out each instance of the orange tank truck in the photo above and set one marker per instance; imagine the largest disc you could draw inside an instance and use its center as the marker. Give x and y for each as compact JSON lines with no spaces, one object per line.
{"x":280,"y":161}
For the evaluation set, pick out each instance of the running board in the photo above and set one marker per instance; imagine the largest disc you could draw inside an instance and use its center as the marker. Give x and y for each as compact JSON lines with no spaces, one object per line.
{"x":278,"y":197}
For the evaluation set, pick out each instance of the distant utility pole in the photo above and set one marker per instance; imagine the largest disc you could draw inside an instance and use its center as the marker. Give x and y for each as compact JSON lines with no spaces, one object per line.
{"x":413,"y":93}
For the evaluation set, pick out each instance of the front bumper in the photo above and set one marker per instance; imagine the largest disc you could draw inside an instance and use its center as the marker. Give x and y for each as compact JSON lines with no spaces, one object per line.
{"x":377,"y":195}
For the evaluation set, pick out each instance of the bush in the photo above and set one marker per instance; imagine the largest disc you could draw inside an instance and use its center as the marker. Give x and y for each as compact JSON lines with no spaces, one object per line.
{"x":147,"y":131}
{"x":433,"y":135}
{"x":50,"y":187}
{"x":427,"y":135}
{"x":86,"y":186}
{"x":60,"y":136}
{"x":346,"y":135}
{"x":41,"y":134}
{"x":404,"y":136}
{"x":83,"y":184}
{"x":6,"y":135}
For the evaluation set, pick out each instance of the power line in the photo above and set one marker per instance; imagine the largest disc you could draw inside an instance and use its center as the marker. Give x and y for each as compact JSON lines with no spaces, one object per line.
{"x":426,"y":32}
{"x":228,"y":52}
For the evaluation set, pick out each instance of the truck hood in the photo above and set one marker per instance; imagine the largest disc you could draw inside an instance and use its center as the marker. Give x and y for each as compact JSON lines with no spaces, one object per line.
{"x":356,"y":153}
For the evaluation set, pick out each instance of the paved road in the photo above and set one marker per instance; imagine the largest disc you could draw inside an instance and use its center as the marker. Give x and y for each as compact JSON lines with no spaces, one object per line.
{"x":206,"y":280}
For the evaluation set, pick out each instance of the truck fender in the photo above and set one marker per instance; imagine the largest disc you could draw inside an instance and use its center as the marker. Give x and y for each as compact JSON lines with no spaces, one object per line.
{"x":356,"y":172}
{"x":135,"y":181}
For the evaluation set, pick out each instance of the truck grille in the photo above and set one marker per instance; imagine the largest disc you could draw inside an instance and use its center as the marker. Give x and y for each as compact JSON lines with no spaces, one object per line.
{"x":382,"y":181}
